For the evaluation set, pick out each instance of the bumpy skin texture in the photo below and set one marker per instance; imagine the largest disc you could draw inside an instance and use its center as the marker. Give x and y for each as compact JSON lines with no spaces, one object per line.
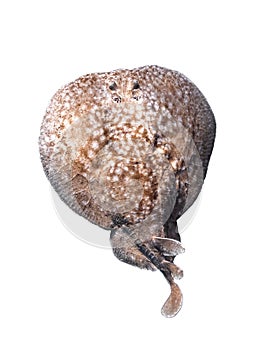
{"x":129,"y":150}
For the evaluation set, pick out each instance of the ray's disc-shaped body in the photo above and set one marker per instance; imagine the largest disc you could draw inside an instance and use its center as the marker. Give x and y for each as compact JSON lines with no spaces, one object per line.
{"x":129,"y":150}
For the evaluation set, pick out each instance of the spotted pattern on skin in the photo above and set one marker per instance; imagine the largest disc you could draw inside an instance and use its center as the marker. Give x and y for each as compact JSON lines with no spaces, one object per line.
{"x":123,"y":107}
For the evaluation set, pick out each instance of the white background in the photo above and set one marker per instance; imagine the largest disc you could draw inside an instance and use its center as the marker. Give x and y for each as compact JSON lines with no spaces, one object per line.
{"x":56,"y":291}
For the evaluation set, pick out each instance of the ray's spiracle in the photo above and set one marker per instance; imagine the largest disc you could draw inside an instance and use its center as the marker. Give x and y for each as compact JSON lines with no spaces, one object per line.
{"x":129,"y":151}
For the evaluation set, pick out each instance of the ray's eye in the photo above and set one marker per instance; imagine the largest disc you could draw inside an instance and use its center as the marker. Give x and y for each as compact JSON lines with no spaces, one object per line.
{"x":136,"y":86}
{"x":115,"y":97}
{"x":113,"y":87}
{"x":136,"y":92}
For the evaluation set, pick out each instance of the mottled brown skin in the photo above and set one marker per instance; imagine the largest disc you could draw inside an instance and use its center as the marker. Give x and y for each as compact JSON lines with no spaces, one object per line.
{"x":129,"y":151}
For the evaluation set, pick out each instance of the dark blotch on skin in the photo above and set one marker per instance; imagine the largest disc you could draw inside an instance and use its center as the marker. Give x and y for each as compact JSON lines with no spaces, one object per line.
{"x":119,"y":220}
